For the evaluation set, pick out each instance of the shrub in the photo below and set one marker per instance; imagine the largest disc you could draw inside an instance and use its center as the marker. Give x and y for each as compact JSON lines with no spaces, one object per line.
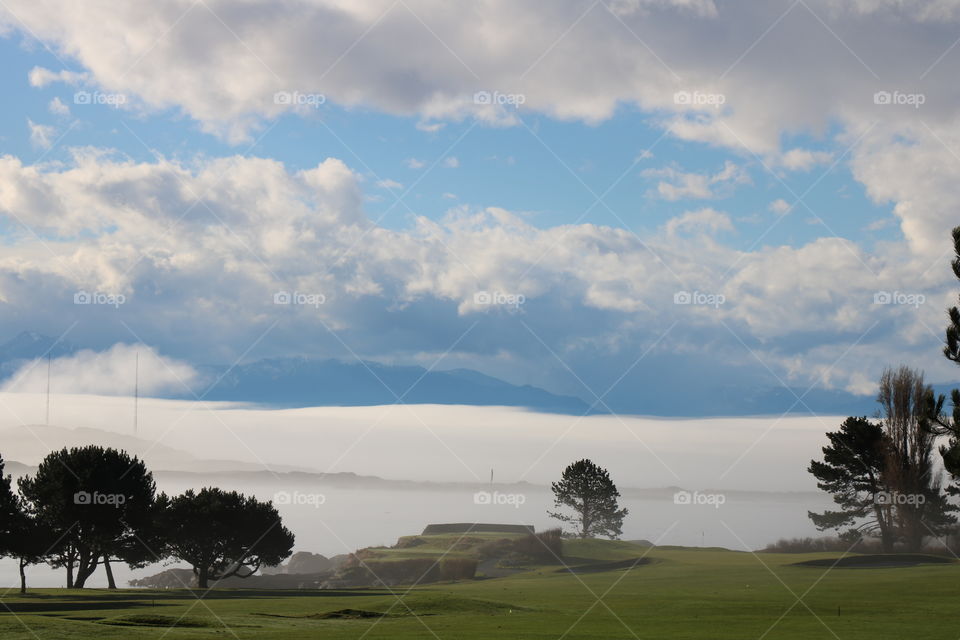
{"x":458,"y":569}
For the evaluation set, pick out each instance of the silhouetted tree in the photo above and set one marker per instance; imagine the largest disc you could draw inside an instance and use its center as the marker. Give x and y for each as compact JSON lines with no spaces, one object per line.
{"x":852,"y":471}
{"x":98,"y":504}
{"x":9,"y":510}
{"x":940,"y":423}
{"x":222,"y":534}
{"x":20,"y":535}
{"x":588,"y":490}
{"x":910,"y":472}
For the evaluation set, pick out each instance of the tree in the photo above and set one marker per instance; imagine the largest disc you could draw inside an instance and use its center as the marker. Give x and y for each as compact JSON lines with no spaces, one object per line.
{"x":98,"y":504}
{"x":20,"y":535}
{"x":222,"y":534}
{"x":852,"y":471}
{"x":910,"y":473}
{"x":940,"y":424}
{"x":588,"y":490}
{"x":9,"y":511}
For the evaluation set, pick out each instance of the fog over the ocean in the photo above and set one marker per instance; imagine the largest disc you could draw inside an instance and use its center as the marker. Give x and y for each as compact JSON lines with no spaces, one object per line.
{"x":450,"y":451}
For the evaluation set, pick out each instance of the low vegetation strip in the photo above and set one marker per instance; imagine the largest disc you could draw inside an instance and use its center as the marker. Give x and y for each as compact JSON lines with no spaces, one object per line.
{"x":877,"y":561}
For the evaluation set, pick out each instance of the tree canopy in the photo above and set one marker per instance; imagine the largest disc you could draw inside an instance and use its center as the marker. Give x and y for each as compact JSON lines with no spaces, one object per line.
{"x":224,"y":533}
{"x":588,"y":490}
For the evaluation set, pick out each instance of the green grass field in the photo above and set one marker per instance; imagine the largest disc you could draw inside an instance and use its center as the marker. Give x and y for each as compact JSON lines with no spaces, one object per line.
{"x":680,"y":593}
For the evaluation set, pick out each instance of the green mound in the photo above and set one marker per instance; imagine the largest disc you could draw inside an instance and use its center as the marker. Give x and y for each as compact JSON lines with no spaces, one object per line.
{"x":599,"y":567}
{"x":876,"y":561}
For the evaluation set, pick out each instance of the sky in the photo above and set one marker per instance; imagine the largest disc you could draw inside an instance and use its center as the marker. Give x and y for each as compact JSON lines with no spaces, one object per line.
{"x":590,"y":197}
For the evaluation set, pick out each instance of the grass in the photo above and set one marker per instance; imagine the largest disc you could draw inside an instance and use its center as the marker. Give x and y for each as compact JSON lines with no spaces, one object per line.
{"x":681,"y":593}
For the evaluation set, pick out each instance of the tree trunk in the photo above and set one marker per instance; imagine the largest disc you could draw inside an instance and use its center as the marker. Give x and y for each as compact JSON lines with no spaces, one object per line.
{"x":23,"y":577}
{"x":111,"y":584}
{"x":203,"y":577}
{"x":85,"y":567}
{"x":70,"y":574}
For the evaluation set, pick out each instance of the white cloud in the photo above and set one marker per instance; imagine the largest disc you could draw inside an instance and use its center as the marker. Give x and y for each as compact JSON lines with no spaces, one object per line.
{"x":58,"y":108}
{"x":451,"y":162}
{"x":389,"y":184}
{"x":41,"y":135}
{"x":255,"y":49}
{"x":804,"y":159}
{"x":40,"y":77}
{"x":109,"y":372}
{"x":704,"y":220}
{"x":413,"y":163}
{"x":105,"y":221}
{"x":679,"y":185}
{"x":780,"y":206}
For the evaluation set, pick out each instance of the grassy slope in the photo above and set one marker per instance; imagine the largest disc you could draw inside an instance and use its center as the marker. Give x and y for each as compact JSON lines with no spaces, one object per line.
{"x":684,"y":593}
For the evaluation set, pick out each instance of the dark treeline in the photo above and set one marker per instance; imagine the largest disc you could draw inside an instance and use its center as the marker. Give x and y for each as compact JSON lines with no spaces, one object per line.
{"x":885,"y":473}
{"x":92,"y":507}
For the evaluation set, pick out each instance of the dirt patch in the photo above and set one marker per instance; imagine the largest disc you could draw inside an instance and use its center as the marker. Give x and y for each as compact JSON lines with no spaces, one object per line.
{"x":160,"y":621}
{"x":339,"y":614}
{"x":876,"y":561}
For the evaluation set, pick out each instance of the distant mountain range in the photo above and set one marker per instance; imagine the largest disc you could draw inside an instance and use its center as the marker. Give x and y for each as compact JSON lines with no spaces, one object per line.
{"x":303,"y":382}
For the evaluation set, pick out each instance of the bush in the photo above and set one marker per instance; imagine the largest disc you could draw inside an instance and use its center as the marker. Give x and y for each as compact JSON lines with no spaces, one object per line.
{"x":542,"y":548}
{"x":458,"y":569}
{"x":818,"y":545}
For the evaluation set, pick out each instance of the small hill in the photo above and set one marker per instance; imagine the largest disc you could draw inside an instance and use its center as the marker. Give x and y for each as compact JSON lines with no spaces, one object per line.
{"x":467,"y":527}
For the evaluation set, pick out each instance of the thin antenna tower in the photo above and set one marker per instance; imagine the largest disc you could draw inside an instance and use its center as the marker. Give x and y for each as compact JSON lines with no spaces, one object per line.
{"x":136,"y":391}
{"x":47,"y":421}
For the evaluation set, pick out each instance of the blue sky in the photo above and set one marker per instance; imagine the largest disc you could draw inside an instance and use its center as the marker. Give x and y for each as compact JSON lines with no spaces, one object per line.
{"x":795,"y":201}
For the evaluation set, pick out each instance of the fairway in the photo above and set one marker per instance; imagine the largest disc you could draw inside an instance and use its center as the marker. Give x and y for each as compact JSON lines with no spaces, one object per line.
{"x":673,"y":593}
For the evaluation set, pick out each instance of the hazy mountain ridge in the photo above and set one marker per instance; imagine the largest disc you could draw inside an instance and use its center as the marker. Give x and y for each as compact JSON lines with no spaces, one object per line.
{"x":294,"y":382}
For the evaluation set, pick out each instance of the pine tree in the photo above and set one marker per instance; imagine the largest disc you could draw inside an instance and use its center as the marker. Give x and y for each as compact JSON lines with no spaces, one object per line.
{"x":589,"y":491}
